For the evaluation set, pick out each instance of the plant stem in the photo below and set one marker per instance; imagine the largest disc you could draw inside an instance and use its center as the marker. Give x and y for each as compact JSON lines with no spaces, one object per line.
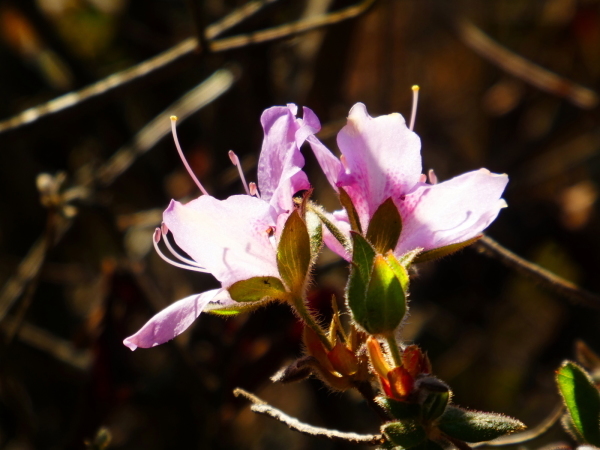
{"x":394,"y":350}
{"x":300,"y":306}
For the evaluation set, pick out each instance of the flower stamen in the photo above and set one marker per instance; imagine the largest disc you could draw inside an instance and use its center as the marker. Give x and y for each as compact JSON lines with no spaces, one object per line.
{"x":413,"y":113}
{"x":185,"y":163}
{"x":156,"y":240}
{"x":432,"y":177}
{"x":236,"y":162}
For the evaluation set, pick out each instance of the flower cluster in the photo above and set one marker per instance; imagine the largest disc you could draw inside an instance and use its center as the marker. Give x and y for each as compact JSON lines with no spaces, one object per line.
{"x":238,"y":240}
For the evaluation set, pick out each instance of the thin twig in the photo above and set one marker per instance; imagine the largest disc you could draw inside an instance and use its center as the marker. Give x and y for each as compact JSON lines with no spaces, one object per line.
{"x":165,"y":60}
{"x":239,"y":15}
{"x":290,"y":29}
{"x":522,"y":68}
{"x":551,"y":281}
{"x":261,"y":407}
{"x":198,"y":18}
{"x":530,"y":434}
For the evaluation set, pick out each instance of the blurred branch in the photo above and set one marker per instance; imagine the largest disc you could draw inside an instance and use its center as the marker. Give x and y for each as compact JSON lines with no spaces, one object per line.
{"x":522,"y":68}
{"x":290,"y":29}
{"x":203,"y":94}
{"x":185,"y":49}
{"x":524,"y":436}
{"x":547,"y":279}
{"x":261,"y":407}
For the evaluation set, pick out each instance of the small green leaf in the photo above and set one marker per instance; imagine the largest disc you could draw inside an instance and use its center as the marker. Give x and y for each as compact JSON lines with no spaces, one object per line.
{"x":385,"y":299}
{"x":435,"y":404}
{"x":385,"y":227}
{"x":408,"y":258}
{"x":360,"y":272}
{"x":293,"y":253}
{"x":346,"y":202}
{"x":406,"y":433}
{"x":257,"y":289}
{"x":440,"y":252}
{"x":582,"y":399}
{"x":398,"y":409}
{"x":475,"y":426}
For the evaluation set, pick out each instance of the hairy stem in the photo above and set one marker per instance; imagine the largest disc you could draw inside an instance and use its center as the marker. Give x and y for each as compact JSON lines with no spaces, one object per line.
{"x":394,"y":350}
{"x":300,"y":305}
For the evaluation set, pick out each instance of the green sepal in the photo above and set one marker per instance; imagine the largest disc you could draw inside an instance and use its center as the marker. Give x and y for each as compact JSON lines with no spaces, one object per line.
{"x":337,"y":234}
{"x":409,"y":257}
{"x":476,"y":426}
{"x":234,"y":310}
{"x":385,"y":227}
{"x":315,"y":232}
{"x":582,"y":400}
{"x":405,"y":433}
{"x":385,"y":299}
{"x":346,"y":202}
{"x":257,"y":289}
{"x":440,"y":252}
{"x":360,"y":272}
{"x":435,"y":404}
{"x":399,"y":410}
{"x":293,"y":253}
{"x":398,"y":269}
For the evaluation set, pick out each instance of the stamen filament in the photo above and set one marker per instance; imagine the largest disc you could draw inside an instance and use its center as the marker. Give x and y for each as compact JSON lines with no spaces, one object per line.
{"x":413,"y":113}
{"x":156,"y":240}
{"x":185,"y":163}
{"x":236,"y":162}
{"x":191,"y":262}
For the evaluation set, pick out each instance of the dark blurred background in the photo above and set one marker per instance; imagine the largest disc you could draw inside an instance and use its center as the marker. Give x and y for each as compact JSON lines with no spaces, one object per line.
{"x":80,"y":277}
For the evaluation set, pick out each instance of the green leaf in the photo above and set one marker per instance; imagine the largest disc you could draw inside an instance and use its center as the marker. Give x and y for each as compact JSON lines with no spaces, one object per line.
{"x":257,"y":289}
{"x":346,"y":202}
{"x":440,"y":252}
{"x":408,"y":258}
{"x":385,"y":299}
{"x":475,"y":426}
{"x":582,"y":399}
{"x":398,"y":409}
{"x":360,"y":272}
{"x":293,"y":253}
{"x":406,"y":433}
{"x":385,"y":227}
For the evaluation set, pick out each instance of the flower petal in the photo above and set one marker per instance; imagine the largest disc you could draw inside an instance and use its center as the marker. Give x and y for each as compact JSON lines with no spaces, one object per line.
{"x":340,"y":220}
{"x":280,"y":164}
{"x":450,"y":212}
{"x":230,"y":238}
{"x":383,"y":159}
{"x":173,"y":320}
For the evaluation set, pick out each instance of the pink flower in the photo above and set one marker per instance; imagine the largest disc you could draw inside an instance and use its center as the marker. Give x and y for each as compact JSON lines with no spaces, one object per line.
{"x":380,"y":159}
{"x":236,"y":238}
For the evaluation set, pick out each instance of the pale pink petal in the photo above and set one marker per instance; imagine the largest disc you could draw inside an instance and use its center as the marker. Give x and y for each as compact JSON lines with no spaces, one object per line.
{"x":330,"y":164}
{"x":383,"y":158}
{"x":340,"y":220}
{"x":229,"y":238}
{"x":173,"y":320}
{"x":450,"y":212}
{"x":280,"y":164}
